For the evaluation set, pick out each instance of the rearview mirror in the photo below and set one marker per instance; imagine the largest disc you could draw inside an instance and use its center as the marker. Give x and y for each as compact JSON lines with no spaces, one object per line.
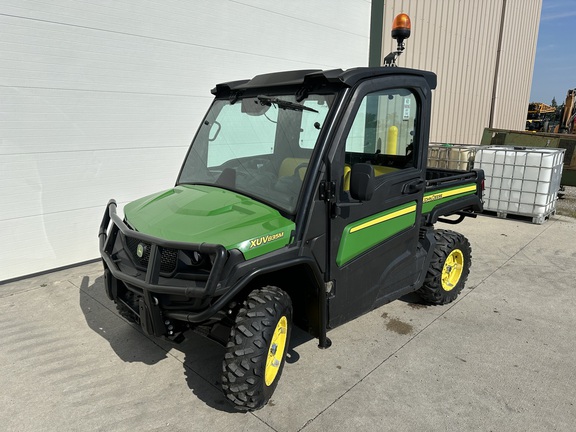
{"x":362,"y":182}
{"x":253,"y":107}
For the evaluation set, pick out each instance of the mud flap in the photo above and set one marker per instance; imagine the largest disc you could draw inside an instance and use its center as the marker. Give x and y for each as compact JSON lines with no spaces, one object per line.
{"x":150,"y":316}
{"x":110,"y":285}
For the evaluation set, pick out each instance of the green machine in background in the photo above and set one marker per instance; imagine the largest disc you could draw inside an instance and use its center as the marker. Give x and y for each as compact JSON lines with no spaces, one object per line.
{"x":541,"y":140}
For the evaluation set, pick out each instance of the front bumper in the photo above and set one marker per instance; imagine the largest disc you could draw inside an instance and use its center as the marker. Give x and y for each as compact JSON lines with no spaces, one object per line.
{"x":163,"y":274}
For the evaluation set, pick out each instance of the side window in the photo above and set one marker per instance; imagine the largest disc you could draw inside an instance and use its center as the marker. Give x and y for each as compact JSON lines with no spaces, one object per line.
{"x":384,"y":130}
{"x":312,"y":122}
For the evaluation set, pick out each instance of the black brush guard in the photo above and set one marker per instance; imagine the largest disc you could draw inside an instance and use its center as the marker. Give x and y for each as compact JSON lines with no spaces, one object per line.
{"x":149,"y":280}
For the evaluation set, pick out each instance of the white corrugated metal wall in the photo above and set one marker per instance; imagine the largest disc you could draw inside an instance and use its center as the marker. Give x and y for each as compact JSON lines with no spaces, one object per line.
{"x":459,"y":41}
{"x":101,"y":100}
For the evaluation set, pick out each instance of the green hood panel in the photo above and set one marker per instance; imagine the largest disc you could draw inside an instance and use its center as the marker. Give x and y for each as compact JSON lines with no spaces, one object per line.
{"x":206,"y":214}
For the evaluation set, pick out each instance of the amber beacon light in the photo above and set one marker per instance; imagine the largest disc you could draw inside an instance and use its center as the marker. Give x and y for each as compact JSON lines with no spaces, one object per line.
{"x":400,"y":31}
{"x":401,"y":27}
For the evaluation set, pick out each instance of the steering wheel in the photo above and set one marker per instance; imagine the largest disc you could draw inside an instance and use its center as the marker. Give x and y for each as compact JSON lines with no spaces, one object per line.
{"x":304,"y":166}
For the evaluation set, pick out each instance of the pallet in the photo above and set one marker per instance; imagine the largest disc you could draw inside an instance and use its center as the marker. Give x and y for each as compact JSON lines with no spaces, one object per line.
{"x":535,"y":219}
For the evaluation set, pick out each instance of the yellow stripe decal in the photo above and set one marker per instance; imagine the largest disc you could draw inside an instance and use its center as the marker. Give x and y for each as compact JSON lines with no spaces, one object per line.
{"x":384,"y":218}
{"x":446,"y":194}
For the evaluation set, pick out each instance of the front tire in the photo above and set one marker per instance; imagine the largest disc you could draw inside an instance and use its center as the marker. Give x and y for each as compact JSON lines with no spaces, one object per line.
{"x":449,"y":268}
{"x":256,"y":350}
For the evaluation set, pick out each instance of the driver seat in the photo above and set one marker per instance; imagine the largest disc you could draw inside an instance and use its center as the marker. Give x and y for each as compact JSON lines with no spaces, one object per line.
{"x":289,"y":165}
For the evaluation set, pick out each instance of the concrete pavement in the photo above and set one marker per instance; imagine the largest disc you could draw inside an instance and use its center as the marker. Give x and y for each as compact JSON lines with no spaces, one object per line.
{"x":500,"y":358}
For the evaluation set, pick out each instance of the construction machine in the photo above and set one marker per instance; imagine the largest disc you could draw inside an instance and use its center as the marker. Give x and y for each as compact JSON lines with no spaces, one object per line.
{"x":568,"y":116}
{"x":536,"y":117}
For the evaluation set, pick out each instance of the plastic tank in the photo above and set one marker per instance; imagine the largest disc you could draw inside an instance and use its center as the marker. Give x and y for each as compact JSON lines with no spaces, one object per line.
{"x":449,"y":156}
{"x":521,"y":181}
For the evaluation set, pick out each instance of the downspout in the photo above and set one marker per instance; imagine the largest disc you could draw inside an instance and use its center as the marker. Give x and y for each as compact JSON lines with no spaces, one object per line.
{"x":497,"y":67}
{"x":376,"y":29}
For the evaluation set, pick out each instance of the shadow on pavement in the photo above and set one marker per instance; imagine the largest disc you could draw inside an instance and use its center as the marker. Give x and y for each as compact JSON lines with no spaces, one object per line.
{"x":126,"y":340}
{"x":413,"y":299}
{"x":202,"y":358}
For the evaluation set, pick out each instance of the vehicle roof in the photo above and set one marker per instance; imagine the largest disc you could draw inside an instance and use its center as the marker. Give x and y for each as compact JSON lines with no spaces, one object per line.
{"x":346,"y":78}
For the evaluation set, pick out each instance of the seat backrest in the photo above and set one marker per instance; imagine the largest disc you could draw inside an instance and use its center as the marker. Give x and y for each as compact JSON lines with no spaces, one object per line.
{"x":378,"y":171}
{"x":289,"y":165}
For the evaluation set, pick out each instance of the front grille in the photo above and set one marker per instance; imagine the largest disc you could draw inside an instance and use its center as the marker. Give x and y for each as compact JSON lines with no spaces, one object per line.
{"x":168,"y":257}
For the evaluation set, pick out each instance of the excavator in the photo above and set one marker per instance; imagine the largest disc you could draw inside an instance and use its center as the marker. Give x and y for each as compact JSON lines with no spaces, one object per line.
{"x":568,"y":116}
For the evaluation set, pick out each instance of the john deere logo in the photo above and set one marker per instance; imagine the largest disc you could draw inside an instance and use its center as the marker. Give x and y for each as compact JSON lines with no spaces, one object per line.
{"x":140,"y":250}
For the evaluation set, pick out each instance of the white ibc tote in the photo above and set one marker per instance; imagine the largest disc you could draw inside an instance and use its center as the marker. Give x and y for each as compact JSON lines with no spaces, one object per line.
{"x":521,"y":181}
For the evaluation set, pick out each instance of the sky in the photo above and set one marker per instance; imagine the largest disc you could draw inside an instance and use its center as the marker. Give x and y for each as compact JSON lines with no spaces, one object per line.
{"x":555,"y":66}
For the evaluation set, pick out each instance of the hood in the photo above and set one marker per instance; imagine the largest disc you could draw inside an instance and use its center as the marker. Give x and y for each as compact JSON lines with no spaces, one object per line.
{"x":207,"y":214}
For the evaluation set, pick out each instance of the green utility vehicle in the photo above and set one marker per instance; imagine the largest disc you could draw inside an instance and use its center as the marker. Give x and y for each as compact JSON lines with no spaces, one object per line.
{"x":304,"y":200}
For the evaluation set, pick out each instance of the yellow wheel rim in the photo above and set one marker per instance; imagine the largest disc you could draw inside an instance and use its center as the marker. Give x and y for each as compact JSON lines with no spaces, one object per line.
{"x":276,"y":351}
{"x":452,"y":270}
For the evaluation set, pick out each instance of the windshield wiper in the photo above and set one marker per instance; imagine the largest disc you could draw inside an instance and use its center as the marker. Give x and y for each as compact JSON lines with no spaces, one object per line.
{"x":267,"y":100}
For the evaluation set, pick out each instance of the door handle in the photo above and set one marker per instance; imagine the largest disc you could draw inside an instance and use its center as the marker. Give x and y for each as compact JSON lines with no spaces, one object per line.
{"x":413,"y":186}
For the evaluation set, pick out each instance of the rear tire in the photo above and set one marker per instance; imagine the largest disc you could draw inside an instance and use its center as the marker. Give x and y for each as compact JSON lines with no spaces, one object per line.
{"x":449,"y":268}
{"x":256,"y":351}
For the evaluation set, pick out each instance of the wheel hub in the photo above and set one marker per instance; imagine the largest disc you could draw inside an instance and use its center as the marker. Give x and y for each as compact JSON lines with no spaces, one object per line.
{"x":276,"y":351}
{"x":452,"y":270}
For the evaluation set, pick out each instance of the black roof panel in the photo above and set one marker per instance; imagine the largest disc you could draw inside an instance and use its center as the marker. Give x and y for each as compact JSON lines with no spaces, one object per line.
{"x":347,"y":78}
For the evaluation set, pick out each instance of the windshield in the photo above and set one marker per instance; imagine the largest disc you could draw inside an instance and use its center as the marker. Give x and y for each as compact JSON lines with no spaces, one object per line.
{"x":258,"y":146}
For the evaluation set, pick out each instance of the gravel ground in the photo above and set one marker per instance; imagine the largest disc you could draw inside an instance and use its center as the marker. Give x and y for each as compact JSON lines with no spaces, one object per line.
{"x":567,"y":205}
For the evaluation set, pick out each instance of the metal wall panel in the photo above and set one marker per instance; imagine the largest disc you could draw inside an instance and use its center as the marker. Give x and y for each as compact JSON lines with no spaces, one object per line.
{"x":517,"y":63}
{"x":458,"y":40}
{"x":101,"y":100}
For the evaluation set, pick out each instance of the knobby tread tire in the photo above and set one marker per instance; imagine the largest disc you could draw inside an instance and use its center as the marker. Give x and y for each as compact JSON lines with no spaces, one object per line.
{"x":243,"y":368}
{"x":446,"y":241}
